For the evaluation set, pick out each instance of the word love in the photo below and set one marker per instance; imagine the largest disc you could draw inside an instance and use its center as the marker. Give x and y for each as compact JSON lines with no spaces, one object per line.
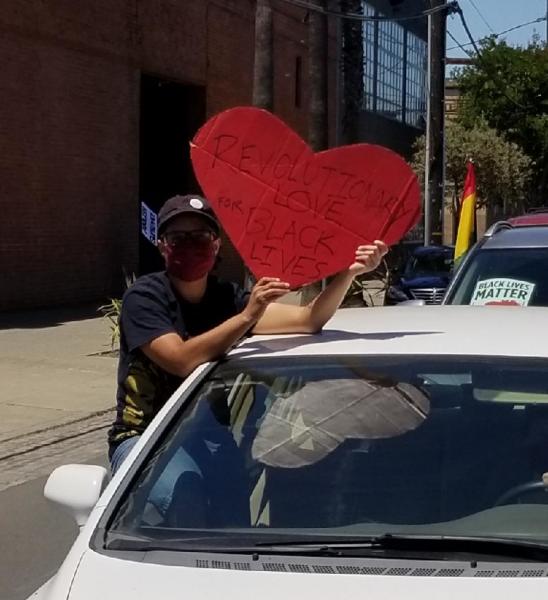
{"x":294,"y":214}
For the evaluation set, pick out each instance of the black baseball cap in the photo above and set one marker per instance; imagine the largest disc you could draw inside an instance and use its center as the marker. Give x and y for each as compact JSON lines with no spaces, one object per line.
{"x":187,"y":204}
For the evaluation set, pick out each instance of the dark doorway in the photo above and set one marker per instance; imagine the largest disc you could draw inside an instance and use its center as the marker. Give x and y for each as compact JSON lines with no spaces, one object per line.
{"x":171,"y":113}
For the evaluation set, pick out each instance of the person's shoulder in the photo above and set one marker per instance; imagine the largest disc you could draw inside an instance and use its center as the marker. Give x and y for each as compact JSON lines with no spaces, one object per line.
{"x":150,"y":285}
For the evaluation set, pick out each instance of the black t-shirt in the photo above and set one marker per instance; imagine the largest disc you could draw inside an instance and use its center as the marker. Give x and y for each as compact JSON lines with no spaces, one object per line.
{"x":151,"y":308}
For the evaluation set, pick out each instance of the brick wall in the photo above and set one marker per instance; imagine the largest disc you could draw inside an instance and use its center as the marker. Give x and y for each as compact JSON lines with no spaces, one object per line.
{"x":68,"y":128}
{"x":69,"y":124}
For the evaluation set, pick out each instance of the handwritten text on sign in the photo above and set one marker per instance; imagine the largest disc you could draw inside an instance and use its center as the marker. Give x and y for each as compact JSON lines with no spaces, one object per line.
{"x":292,"y":213}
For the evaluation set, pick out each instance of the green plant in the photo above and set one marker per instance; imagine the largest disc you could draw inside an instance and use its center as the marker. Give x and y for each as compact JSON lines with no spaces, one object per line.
{"x":503,"y":170}
{"x":112,"y":310}
{"x":507,"y":89}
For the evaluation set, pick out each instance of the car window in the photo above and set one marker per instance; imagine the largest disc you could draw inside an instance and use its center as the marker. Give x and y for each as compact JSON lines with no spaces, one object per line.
{"x":355,"y":444}
{"x":433,"y":265}
{"x":504,"y":276}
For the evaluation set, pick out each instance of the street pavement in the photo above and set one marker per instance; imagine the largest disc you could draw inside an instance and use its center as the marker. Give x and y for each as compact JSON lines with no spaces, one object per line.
{"x":36,"y":534}
{"x":57,"y":397}
{"x":57,"y":388}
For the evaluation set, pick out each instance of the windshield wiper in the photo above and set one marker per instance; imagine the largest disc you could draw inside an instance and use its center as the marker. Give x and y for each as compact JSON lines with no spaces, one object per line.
{"x":193,"y":542}
{"x":389,"y":544}
{"x":412,"y":544}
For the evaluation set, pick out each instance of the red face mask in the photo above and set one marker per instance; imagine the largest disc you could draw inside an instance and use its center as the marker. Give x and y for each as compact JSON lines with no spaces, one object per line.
{"x":190,"y":261}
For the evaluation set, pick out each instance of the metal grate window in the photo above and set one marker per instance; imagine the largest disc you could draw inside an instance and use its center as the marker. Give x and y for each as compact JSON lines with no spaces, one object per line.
{"x":394,"y":70}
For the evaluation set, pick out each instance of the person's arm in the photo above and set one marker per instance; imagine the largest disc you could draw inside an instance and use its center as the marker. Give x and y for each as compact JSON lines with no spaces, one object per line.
{"x":284,"y":318}
{"x":180,"y":357}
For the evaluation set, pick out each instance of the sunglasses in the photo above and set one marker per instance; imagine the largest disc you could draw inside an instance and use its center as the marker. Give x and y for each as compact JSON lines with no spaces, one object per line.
{"x":176,"y":238}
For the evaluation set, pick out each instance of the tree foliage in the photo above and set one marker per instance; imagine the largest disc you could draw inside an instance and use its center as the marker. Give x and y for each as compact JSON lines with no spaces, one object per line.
{"x":503,"y":170}
{"x":507,"y":88}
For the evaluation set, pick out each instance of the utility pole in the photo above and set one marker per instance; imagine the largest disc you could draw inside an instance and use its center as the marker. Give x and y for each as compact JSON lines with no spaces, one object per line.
{"x":428,"y":144}
{"x":434,"y":167}
{"x":317,"y":76}
{"x":318,"y":123}
{"x":263,"y":71}
{"x":353,"y":70}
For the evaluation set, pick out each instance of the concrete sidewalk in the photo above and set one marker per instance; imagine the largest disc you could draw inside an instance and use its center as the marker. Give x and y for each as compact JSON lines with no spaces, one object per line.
{"x":55,"y":369}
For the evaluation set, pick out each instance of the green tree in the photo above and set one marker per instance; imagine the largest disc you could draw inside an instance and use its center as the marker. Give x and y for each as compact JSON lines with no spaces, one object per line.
{"x":503,"y":170}
{"x":507,"y":88}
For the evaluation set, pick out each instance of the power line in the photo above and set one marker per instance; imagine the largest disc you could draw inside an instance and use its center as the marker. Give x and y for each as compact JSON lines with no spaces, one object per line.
{"x":496,"y":35}
{"x":459,"y":45}
{"x":481,"y":15}
{"x":449,"y":6}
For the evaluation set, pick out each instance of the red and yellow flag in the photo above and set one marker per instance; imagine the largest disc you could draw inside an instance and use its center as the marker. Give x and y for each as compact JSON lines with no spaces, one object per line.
{"x":467,"y":213}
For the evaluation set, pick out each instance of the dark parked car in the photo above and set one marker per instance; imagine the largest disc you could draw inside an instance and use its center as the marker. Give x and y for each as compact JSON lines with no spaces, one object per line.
{"x":508,"y":266}
{"x":425,"y":276}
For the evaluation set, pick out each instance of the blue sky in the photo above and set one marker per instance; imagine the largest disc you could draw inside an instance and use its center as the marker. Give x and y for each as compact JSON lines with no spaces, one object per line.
{"x":498,"y":15}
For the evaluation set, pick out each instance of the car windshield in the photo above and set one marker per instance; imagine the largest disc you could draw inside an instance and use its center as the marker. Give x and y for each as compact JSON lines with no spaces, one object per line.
{"x":347,"y":446}
{"x":513,"y":276}
{"x":437,"y":265}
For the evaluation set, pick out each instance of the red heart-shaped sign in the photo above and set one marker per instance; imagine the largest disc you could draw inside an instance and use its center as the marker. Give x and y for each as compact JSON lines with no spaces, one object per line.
{"x":294,"y":214}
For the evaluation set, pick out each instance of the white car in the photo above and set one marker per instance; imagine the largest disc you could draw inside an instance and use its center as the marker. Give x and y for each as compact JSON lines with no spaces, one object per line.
{"x":401,"y":454}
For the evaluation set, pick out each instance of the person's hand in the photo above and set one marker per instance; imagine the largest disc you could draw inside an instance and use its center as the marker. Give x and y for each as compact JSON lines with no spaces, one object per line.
{"x":264,"y":292}
{"x":368,"y":258}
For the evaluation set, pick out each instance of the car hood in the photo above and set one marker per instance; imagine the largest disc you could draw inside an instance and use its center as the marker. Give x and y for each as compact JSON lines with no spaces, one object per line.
{"x":425,"y":282}
{"x":107,"y":578}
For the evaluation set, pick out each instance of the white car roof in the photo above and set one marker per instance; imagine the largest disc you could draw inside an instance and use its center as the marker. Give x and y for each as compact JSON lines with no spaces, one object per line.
{"x":437,"y":330}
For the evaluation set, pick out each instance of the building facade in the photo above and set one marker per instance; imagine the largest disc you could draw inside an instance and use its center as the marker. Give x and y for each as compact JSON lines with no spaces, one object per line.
{"x":452,"y":99}
{"x":100,"y":100}
{"x":394,"y":73}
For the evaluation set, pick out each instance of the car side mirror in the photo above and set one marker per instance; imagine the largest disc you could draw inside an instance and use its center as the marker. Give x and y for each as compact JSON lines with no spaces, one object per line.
{"x":76,"y":488}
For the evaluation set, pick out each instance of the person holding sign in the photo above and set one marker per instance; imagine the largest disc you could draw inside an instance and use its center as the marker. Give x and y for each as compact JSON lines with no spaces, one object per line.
{"x":177,"y":319}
